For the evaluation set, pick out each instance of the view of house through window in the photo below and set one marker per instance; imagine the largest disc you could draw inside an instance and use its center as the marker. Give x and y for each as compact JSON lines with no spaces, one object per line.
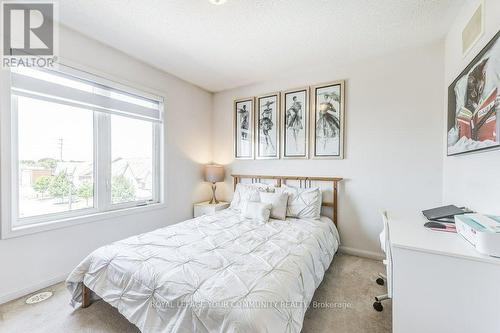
{"x":65,"y":166}
{"x":56,"y":163}
{"x":131,"y":160}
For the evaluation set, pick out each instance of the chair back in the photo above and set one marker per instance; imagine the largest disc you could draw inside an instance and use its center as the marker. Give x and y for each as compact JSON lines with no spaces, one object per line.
{"x":385,"y":243}
{"x":382,"y":235}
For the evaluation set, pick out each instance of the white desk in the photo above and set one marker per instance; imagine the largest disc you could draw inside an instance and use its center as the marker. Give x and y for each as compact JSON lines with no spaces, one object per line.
{"x":440,"y":283}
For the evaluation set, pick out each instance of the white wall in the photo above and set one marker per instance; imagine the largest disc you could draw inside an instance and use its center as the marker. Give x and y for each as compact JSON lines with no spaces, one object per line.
{"x":31,"y":262}
{"x":394,"y":138}
{"x":471,"y":180}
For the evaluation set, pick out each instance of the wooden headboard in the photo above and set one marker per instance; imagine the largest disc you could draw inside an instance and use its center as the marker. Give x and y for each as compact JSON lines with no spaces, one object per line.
{"x":304,"y":182}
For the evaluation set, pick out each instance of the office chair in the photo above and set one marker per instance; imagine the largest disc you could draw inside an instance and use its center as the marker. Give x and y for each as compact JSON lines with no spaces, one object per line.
{"x":383,"y":279}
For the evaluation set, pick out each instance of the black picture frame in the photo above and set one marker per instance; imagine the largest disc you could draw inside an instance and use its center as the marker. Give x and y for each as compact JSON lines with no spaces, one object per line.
{"x":452,"y":122}
{"x":332,"y":117}
{"x":302,"y":139}
{"x":238,"y":141}
{"x":269,"y":126}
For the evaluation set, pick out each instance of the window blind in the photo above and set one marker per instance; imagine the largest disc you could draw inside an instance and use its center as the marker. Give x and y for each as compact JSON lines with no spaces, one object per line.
{"x":60,"y":87}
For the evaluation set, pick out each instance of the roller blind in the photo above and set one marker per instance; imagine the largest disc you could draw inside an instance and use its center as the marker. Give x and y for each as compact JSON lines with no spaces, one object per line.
{"x":79,"y":90}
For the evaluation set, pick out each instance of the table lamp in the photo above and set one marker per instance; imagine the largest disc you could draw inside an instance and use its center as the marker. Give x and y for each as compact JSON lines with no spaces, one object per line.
{"x":213,"y":174}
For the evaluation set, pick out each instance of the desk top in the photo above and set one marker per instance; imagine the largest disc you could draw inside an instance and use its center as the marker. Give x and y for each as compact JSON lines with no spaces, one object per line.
{"x":408,"y":232}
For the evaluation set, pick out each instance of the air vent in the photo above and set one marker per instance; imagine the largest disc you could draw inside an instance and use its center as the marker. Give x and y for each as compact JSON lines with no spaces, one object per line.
{"x":40,"y":297}
{"x":473,"y":29}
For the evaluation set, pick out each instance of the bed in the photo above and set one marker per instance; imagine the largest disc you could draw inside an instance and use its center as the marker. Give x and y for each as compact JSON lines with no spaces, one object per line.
{"x":215,"y":273}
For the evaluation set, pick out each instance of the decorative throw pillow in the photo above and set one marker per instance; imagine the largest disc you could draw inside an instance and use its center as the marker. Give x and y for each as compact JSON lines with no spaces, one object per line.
{"x":278,"y":201}
{"x":256,"y":210}
{"x":248,"y":192}
{"x":302,"y":203}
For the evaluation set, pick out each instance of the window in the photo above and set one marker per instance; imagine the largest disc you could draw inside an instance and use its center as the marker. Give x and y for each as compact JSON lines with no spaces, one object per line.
{"x":132,"y":160}
{"x":56,"y":158}
{"x":81,"y":145}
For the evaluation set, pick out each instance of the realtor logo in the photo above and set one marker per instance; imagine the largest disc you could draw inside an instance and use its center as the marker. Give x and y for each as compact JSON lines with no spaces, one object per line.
{"x":28,"y":34}
{"x":28,"y":28}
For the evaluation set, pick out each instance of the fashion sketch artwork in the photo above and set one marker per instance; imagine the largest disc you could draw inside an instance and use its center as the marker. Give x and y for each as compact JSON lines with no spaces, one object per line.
{"x":243,"y":128}
{"x":474,"y":103}
{"x":267,"y":126}
{"x":328,"y":119}
{"x":295,"y":123}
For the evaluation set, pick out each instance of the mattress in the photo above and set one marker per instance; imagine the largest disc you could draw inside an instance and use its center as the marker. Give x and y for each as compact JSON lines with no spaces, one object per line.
{"x":215,"y":273}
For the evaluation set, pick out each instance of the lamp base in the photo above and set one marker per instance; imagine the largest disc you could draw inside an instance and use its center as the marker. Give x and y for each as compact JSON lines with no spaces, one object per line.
{"x":214,"y":200}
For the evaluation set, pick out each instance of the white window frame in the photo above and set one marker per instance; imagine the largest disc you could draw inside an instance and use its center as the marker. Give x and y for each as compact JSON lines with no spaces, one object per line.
{"x":102,"y":207}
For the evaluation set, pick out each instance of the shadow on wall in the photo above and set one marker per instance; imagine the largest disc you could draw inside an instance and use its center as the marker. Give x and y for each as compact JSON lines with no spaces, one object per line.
{"x":180,"y":187}
{"x":349,"y":223}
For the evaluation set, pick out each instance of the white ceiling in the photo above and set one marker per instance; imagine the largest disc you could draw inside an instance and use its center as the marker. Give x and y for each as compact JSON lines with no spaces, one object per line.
{"x":247,"y":41}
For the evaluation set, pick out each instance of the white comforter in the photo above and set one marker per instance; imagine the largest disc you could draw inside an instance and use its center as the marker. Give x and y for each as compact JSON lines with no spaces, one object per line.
{"x":215,"y":273}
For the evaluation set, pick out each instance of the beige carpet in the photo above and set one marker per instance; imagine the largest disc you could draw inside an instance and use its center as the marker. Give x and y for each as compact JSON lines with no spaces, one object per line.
{"x":348,"y":289}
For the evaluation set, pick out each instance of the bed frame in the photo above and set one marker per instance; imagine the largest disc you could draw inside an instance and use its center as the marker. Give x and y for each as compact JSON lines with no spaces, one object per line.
{"x":85,"y":296}
{"x":304,"y":182}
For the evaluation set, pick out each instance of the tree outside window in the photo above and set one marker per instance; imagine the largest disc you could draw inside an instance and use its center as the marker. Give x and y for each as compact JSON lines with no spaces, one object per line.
{"x":122,"y":189}
{"x":41,"y":185}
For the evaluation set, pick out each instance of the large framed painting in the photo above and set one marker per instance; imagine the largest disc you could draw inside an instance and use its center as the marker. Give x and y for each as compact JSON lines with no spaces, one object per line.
{"x":294,"y":123}
{"x":267,"y":126}
{"x":327,"y":120}
{"x":473,"y":103}
{"x":243,"y":115}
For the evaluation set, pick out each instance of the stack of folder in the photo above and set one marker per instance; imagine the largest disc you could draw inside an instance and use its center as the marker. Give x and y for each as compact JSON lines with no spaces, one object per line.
{"x":443,"y":218}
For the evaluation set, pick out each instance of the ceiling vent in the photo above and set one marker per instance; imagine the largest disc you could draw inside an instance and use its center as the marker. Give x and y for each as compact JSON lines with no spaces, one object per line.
{"x":40,"y":297}
{"x":473,"y":30}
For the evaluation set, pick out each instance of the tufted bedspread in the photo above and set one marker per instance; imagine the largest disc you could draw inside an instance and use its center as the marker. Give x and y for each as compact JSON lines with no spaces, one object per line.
{"x":215,"y":273}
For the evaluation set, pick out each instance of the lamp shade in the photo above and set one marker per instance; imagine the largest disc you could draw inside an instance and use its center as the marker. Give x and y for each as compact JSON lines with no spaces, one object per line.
{"x":214,"y":173}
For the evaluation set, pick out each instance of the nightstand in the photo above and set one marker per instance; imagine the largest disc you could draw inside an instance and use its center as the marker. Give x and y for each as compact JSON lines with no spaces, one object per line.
{"x":203,"y":208}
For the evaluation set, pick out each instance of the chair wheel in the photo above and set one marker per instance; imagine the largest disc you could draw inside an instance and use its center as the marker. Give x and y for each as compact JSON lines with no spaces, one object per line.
{"x":378,"y":306}
{"x":380,"y":281}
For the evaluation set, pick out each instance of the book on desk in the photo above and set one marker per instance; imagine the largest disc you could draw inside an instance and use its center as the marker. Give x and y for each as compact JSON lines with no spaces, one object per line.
{"x":443,"y":218}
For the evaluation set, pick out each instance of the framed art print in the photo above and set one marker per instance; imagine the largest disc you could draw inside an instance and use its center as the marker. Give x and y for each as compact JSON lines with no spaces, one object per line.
{"x":327,"y":120}
{"x":267,"y":126}
{"x":243,"y":114}
{"x":294,"y":121}
{"x":473,"y":103}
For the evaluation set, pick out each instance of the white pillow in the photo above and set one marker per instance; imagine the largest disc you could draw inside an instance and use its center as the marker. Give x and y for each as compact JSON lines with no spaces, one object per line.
{"x":278,"y":201}
{"x":248,"y":192}
{"x":256,"y":210}
{"x":302,"y":202}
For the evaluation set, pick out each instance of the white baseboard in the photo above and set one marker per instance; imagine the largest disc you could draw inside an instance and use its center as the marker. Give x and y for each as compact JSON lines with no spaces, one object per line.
{"x":361,"y":253}
{"x":30,"y":289}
